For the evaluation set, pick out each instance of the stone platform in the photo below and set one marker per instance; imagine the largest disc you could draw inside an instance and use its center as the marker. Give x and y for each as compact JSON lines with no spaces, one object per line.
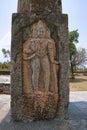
{"x":77,"y":116}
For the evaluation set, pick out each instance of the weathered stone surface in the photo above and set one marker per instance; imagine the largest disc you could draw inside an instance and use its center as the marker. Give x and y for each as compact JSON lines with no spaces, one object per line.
{"x":39,"y":64}
{"x":39,"y":6}
{"x":39,"y":76}
{"x":77,"y":116}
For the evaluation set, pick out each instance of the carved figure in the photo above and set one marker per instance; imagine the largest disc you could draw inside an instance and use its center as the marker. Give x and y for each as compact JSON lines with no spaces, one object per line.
{"x":40,"y":52}
{"x":31,"y":54}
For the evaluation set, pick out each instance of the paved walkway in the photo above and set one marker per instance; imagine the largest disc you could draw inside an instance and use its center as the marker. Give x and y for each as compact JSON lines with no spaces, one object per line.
{"x":4,"y":78}
{"x":77,"y":116}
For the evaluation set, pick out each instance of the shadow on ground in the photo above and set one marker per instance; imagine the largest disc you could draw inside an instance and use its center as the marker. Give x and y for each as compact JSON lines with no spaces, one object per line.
{"x":78,"y":110}
{"x":77,"y":121}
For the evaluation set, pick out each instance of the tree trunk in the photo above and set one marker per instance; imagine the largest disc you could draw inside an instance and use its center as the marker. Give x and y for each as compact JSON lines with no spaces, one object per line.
{"x":72,"y":71}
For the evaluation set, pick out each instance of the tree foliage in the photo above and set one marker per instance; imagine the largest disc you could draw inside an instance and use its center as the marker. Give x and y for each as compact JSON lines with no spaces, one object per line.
{"x":6,"y":64}
{"x":81,"y":57}
{"x":6,"y":54}
{"x":78,"y":57}
{"x":73,"y":38}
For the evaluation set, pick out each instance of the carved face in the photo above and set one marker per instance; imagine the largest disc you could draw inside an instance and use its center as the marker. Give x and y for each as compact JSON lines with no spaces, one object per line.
{"x":41,"y":32}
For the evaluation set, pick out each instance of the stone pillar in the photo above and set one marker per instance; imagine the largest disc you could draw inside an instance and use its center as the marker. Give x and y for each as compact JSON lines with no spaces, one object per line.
{"x":40,"y":61}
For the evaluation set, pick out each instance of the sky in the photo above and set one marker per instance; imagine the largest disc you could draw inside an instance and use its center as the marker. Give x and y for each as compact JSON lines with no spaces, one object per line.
{"x":77,"y":18}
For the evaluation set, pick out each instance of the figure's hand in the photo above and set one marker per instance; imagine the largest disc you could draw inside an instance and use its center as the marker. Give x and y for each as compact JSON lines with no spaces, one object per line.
{"x":30,"y":57}
{"x":55,"y":62}
{"x":29,"y":51}
{"x":26,"y":51}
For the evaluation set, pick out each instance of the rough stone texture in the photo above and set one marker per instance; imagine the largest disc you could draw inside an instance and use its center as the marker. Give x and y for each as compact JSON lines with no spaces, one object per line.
{"x":32,"y":97}
{"x":40,"y":6}
{"x":77,"y":116}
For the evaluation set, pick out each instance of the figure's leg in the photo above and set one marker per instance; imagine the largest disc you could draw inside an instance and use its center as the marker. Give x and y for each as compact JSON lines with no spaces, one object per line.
{"x":35,"y":74}
{"x":46,"y":73}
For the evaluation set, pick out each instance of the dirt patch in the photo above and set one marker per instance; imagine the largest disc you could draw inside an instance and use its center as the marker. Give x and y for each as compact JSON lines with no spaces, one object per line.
{"x":79,"y":83}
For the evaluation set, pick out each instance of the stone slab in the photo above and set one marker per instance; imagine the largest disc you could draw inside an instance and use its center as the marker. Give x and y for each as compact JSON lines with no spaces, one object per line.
{"x":40,"y":61}
{"x":24,"y":74}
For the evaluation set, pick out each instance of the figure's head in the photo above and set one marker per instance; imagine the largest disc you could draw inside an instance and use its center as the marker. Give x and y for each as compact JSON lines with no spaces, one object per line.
{"x":40,"y":30}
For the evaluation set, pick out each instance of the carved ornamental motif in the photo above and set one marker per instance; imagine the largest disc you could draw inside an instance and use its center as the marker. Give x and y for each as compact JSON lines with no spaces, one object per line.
{"x":39,"y":64}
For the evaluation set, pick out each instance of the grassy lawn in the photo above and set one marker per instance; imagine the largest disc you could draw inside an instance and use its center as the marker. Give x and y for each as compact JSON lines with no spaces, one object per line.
{"x":79,"y":83}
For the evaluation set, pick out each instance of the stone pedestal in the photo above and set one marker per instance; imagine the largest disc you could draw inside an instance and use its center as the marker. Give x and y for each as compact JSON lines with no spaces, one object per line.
{"x":39,"y":56}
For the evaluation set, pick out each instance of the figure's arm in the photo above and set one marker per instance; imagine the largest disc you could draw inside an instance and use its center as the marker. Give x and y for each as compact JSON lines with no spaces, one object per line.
{"x":56,"y":62}
{"x":26,"y":52}
{"x":30,"y":57}
{"x":52,"y":53}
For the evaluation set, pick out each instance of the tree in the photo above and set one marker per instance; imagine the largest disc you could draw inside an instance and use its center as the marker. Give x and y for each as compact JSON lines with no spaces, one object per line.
{"x":6,"y":64}
{"x":73,"y":38}
{"x":6,"y":54}
{"x":81,"y":57}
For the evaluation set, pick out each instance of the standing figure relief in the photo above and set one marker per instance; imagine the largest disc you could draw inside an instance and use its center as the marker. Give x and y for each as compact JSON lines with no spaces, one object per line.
{"x":39,"y":53}
{"x":31,"y":53}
